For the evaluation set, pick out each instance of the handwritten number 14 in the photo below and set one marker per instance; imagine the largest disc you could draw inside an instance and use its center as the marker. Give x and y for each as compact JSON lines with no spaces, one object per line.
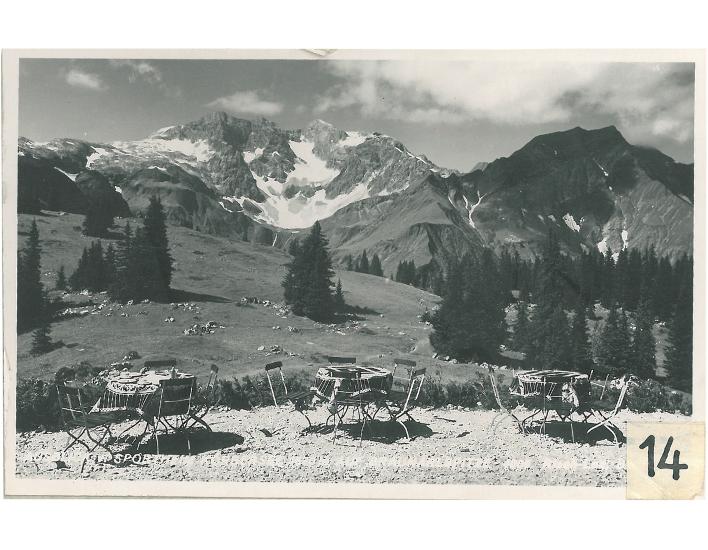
{"x":675,"y":466}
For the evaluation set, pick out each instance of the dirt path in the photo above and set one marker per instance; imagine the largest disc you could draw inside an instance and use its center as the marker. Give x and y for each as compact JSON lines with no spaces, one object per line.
{"x":449,"y":446}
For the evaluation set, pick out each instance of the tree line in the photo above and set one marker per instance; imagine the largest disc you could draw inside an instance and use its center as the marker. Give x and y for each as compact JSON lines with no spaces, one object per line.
{"x":362,"y":264}
{"x":139,"y":267}
{"x":555,"y":303}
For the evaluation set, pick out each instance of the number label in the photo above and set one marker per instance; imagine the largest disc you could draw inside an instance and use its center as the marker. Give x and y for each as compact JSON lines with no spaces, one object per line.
{"x":675,"y":466}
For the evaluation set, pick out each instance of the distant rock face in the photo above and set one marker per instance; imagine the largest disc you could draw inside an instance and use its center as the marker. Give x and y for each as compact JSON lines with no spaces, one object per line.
{"x":594,"y":187}
{"x":220,"y":173}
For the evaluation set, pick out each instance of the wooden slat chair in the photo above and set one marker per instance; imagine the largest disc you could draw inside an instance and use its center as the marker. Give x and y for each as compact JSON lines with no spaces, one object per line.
{"x":604,"y":411}
{"x":504,"y":407}
{"x":206,"y":400}
{"x":79,"y":421}
{"x":173,"y":409}
{"x":280,"y":394}
{"x":404,"y":393}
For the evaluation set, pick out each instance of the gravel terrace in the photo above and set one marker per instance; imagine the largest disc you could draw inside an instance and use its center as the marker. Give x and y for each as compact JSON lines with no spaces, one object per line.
{"x":449,"y":446}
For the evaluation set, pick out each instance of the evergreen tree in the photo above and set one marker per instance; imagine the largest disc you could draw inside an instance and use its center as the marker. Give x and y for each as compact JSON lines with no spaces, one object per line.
{"x":145,"y":278}
{"x":308,"y":284}
{"x":98,"y":219}
{"x":120,"y":289}
{"x":614,"y":353}
{"x":31,"y":297}
{"x":580,"y":352}
{"x":61,"y":279}
{"x":363,"y":263}
{"x":644,"y":345}
{"x":521,"y":328}
{"x":375,"y":267}
{"x":155,"y":232}
{"x":339,"y":297}
{"x":348,"y":263}
{"x":110,"y":266}
{"x":470,"y":321}
{"x":41,"y":340}
{"x":679,"y":353}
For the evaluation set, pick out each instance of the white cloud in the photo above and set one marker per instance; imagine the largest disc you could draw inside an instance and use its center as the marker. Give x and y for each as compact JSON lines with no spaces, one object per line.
{"x":140,"y":69}
{"x":246,"y":102}
{"x":642,"y":97}
{"x":82,"y":79}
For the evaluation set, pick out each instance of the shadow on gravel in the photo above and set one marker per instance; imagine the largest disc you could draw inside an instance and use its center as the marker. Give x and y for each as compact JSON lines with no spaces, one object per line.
{"x":384,"y":431}
{"x":561,"y":430}
{"x":201,"y":442}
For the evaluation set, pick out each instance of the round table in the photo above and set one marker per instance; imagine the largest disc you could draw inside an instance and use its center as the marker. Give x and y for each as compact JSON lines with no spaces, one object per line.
{"x":126,"y":390}
{"x":567,"y":386}
{"x":341,"y":381}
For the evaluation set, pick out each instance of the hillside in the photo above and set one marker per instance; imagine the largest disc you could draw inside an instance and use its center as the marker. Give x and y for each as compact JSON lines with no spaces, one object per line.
{"x":214,"y":274}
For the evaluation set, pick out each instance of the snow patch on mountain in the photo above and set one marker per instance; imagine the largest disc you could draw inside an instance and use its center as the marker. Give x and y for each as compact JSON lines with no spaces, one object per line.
{"x":72,"y":177}
{"x":198,"y":150}
{"x":299,"y":212}
{"x":602,"y":246}
{"x":309,"y":168}
{"x":625,"y":239}
{"x":98,"y":152}
{"x":471,"y":207}
{"x":353,"y":139}
{"x":118,"y":189}
{"x":249,"y":156}
{"x":604,"y":172}
{"x":571,"y":223}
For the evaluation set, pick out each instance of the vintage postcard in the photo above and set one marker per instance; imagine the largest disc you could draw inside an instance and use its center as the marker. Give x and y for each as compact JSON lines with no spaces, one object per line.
{"x":326,"y":273}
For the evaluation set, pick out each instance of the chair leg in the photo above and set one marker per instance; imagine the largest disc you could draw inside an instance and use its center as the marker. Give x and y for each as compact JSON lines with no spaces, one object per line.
{"x":405,"y":429}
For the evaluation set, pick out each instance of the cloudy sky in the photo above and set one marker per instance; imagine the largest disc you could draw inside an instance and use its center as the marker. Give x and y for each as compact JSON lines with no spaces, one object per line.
{"x":457,"y":112}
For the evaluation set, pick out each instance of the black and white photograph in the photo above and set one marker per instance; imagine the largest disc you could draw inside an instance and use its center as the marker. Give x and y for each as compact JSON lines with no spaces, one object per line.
{"x":432,"y":272}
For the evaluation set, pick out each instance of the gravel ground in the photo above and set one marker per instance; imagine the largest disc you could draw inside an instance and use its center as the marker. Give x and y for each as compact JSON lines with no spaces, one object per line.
{"x":448,"y":446}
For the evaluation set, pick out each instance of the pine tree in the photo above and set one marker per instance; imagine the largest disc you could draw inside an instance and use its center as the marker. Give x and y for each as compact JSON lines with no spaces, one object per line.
{"x":98,"y":219}
{"x":363,"y":263}
{"x":348,"y":263}
{"x":339,"y":297}
{"x":155,"y":232}
{"x":31,"y":297}
{"x":644,"y":345}
{"x":375,"y":267}
{"x":679,"y":353}
{"x":61,"y":279}
{"x":614,"y":353}
{"x":110,"y":266}
{"x":308,"y":284}
{"x":580,"y":352}
{"x":120,"y":289}
{"x":145,"y":278}
{"x":41,"y":340}
{"x":521,"y":328}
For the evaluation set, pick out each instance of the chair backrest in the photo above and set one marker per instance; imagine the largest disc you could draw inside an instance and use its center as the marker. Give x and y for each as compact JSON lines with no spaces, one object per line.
{"x":71,"y":403}
{"x":176,"y":396}
{"x":275,"y":394}
{"x":334,"y":360}
{"x":212,"y":386}
{"x":623,"y":394}
{"x":410,"y":386}
{"x":495,"y":388}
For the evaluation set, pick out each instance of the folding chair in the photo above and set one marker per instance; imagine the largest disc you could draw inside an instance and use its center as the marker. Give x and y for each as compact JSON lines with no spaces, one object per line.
{"x":504,"y":409}
{"x":404,"y":393}
{"x":604,"y":411}
{"x":299,"y":399}
{"x":207,"y":400}
{"x":357,"y":395}
{"x":77,"y":417}
{"x":173,"y":409}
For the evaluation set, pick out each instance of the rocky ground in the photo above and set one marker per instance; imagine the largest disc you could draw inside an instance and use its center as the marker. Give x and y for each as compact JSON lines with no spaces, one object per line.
{"x":448,"y":446}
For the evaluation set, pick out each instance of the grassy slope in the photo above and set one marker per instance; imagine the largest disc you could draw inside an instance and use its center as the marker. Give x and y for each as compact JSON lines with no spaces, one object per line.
{"x":215,"y":274}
